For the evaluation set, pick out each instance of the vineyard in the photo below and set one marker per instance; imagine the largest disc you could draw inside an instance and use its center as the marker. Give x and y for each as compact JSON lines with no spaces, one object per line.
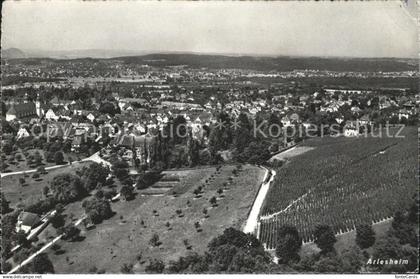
{"x":342,"y":182}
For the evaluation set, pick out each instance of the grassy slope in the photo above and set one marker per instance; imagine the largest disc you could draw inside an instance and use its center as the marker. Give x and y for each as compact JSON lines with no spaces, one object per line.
{"x":117,"y":241}
{"x":32,"y":191}
{"x":347,"y":240}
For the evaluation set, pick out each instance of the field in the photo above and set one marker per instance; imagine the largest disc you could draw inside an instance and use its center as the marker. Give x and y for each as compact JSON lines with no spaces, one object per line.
{"x":124,"y":238}
{"x":341,"y":182}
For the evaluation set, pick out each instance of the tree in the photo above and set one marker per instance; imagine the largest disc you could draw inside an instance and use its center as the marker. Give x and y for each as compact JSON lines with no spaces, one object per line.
{"x":21,"y":238}
{"x":56,"y":248}
{"x":213,"y":201}
{"x":41,"y":265}
{"x":403,"y":229}
{"x":59,"y":208}
{"x":146,"y":179}
{"x":7,"y":148}
{"x":18,"y":157}
{"x":99,"y":194}
{"x":4,"y":204}
{"x":120,"y":169}
{"x":108,"y":108}
{"x":328,"y":265}
{"x":41,"y":170}
{"x":45,"y":191}
{"x":37,"y":158}
{"x":389,"y":247}
{"x":127,"y":269}
{"x":5,"y":266}
{"x":154,"y":241}
{"x":70,"y":232}
{"x":58,"y":158}
{"x":197,"y":226}
{"x":127,"y":192}
{"x":352,"y":259}
{"x":288,"y":244}
{"x":97,"y":209}
{"x":155,"y":266}
{"x":413,"y":211}
{"x":324,"y":238}
{"x":22,"y":181}
{"x":196,"y":192}
{"x":365,"y":236}
{"x":67,"y":188}
{"x":93,"y":175}
{"x":242,"y":134}
{"x":57,"y":220}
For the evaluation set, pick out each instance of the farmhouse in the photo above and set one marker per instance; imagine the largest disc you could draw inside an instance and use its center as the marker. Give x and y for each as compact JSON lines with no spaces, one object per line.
{"x":22,"y":133}
{"x":26,"y":221}
{"x":51,"y":115}
{"x":352,"y":129}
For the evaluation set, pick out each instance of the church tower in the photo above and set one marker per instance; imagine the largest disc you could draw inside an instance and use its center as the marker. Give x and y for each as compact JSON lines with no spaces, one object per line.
{"x":39,"y":110}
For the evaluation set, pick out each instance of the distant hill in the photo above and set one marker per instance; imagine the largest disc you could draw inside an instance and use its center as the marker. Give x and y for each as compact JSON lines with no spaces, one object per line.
{"x":215,"y":61}
{"x":12,"y":53}
{"x":282,"y":63}
{"x":80,"y":53}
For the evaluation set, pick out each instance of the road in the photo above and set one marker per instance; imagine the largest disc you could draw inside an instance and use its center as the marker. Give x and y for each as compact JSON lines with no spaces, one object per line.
{"x":45,"y":247}
{"x":93,"y":158}
{"x":37,"y":230}
{"x":252,"y":221}
{"x":32,"y":170}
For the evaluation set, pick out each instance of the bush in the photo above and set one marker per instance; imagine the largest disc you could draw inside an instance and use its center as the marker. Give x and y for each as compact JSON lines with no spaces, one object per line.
{"x":155,"y":266}
{"x":288,"y":244}
{"x":97,"y":210}
{"x":213,"y":201}
{"x":154,"y":241}
{"x":70,"y":232}
{"x":365,"y":236}
{"x":146,"y":179}
{"x":42,"y":206}
{"x":324,"y":238}
{"x":67,"y":188}
{"x":58,"y":158}
{"x":127,"y":269}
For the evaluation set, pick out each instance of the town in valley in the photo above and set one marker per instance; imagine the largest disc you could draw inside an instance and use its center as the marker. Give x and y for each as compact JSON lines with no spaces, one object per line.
{"x":208,"y":162}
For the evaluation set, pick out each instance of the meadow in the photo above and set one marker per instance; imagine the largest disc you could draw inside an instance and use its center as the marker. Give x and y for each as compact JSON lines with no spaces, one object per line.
{"x":184,"y":220}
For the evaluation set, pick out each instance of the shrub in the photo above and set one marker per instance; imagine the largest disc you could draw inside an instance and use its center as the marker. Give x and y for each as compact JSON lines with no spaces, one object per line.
{"x":365,"y":236}
{"x":154,"y":241}
{"x":155,"y":266}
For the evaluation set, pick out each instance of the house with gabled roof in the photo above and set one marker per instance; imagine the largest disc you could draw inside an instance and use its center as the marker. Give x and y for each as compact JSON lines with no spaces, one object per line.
{"x":21,"y":111}
{"x":26,"y":221}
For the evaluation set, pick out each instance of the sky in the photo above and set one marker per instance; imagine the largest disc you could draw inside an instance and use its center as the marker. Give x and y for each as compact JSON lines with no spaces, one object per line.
{"x":353,"y":29}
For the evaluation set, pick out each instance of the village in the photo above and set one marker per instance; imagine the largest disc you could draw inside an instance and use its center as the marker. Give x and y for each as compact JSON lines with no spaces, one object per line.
{"x":153,"y":132}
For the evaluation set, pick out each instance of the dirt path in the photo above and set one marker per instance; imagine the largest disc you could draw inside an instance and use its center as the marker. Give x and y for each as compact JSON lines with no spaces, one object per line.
{"x":93,"y":158}
{"x":252,"y":221}
{"x":45,"y":247}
